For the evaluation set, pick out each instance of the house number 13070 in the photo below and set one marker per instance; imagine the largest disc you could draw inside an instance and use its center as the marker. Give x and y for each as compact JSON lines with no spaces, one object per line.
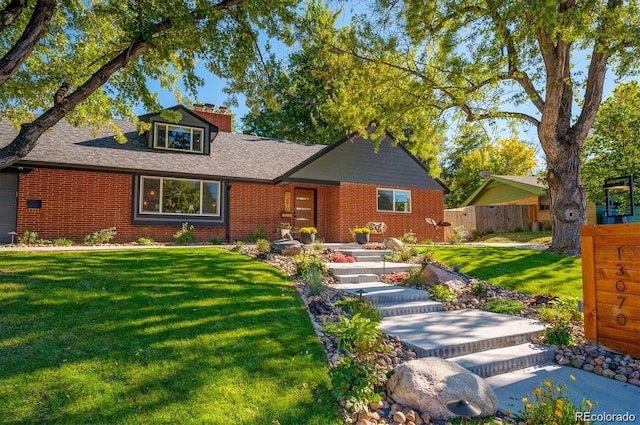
{"x":620,"y":287}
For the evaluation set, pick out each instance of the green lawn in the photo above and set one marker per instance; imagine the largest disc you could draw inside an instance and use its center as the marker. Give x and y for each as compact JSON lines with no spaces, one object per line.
{"x":524,"y":270}
{"x":536,"y":238}
{"x":156,"y":336}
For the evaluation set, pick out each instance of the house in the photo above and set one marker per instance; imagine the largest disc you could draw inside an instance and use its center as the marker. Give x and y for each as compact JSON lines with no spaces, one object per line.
{"x":514,"y":190}
{"x":226,"y":185}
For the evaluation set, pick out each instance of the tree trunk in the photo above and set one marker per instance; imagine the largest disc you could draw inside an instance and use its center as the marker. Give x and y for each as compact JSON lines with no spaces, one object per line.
{"x":568,"y":201}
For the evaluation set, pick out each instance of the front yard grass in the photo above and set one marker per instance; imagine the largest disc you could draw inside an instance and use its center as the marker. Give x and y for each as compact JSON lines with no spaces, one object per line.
{"x":156,"y":336}
{"x":535,"y":238}
{"x":524,"y":270}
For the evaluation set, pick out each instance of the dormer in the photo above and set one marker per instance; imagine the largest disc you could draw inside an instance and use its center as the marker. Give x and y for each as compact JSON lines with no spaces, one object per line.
{"x":192,"y":133}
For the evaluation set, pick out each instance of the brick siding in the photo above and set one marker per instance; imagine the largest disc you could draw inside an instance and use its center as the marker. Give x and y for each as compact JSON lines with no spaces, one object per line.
{"x":78,"y":203}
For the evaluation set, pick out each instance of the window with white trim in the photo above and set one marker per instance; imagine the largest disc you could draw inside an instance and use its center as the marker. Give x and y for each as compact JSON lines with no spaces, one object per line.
{"x":392,"y":200}
{"x":162,"y":195}
{"x":178,"y":137}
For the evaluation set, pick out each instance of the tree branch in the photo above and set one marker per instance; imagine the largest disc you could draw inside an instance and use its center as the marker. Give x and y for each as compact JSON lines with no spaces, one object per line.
{"x":32,"y":34}
{"x":11,"y":12}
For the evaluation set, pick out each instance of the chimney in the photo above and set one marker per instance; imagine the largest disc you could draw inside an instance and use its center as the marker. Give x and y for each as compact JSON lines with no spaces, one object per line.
{"x":219,"y":118}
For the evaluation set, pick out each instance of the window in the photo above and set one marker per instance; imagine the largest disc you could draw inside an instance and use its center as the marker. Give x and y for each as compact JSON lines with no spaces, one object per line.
{"x":394,"y":200}
{"x":178,"y":137}
{"x":159,"y":195}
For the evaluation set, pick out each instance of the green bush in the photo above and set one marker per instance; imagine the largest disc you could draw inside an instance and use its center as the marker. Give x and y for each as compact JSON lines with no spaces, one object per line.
{"x":441,"y":293}
{"x":215,"y":241}
{"x":414,"y":277}
{"x":559,"y":332}
{"x":409,"y":237}
{"x":238,"y":246}
{"x":504,"y":306}
{"x":263,"y":245}
{"x":29,"y":237}
{"x":257,"y":233}
{"x":551,"y":314}
{"x":479,"y":290}
{"x":146,"y":241}
{"x":356,"y":335}
{"x":313,"y":279}
{"x":355,"y":382}
{"x":100,"y":237}
{"x":185,"y":235}
{"x":353,"y":306}
{"x":305,"y":262}
{"x":459,"y":235}
{"x":568,"y":305}
{"x":62,"y":242}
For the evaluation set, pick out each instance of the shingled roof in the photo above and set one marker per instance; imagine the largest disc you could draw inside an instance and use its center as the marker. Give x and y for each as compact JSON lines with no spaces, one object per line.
{"x":233,"y":156}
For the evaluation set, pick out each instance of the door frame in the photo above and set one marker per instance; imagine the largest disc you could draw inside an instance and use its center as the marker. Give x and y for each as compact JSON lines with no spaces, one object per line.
{"x":315,"y":205}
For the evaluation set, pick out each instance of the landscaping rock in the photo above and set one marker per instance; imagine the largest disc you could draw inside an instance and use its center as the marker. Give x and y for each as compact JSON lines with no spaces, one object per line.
{"x":432,"y":274}
{"x":428,"y":384}
{"x":286,"y":247}
{"x":394,"y":244}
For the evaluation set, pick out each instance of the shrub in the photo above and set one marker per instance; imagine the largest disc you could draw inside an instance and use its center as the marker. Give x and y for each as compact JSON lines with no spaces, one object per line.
{"x":459,"y":235}
{"x":215,"y":241}
{"x":317,"y":245}
{"x":257,"y":233}
{"x":100,"y":237}
{"x":185,"y":235}
{"x":29,"y":237}
{"x":479,"y":290}
{"x":313,"y":280}
{"x":353,"y":306}
{"x":414,"y":277}
{"x":504,"y":306}
{"x":551,"y":404}
{"x":519,"y":229}
{"x":559,"y":331}
{"x":62,"y":242}
{"x":441,"y":293}
{"x":238,"y":246}
{"x":409,"y":237}
{"x":568,"y":305}
{"x":357,"y":335}
{"x":263,"y":245}
{"x":355,"y":382}
{"x":306,"y":262}
{"x":146,"y":241}
{"x":339,"y":257}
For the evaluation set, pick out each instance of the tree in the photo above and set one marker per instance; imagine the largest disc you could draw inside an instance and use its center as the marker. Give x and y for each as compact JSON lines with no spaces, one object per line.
{"x":613,"y":148}
{"x":90,"y":61}
{"x":298,"y":88}
{"x":542,"y":63}
{"x":472,"y":153}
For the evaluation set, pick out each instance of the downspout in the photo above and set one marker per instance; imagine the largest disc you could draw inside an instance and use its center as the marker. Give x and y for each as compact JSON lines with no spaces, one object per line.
{"x":227,"y":209}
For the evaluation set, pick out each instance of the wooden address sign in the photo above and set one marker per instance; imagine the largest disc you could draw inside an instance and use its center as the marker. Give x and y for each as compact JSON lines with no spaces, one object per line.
{"x":611,"y":286}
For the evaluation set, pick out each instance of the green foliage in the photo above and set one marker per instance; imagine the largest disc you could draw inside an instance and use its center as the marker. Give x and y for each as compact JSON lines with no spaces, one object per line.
{"x":62,"y":242}
{"x":473,"y":151}
{"x":264,"y":246}
{"x":355,"y":381}
{"x":307,"y":262}
{"x":559,"y":332}
{"x":414,"y":277}
{"x":29,"y":237}
{"x":613,"y":147}
{"x":215,"y":241}
{"x":479,"y":290}
{"x":504,"y":306}
{"x":313,"y":279}
{"x":257,"y":233}
{"x":357,"y":335}
{"x":459,"y":235}
{"x":100,"y":237}
{"x":551,"y":404}
{"x":519,"y":229}
{"x":364,"y":308}
{"x":185,"y":235}
{"x":146,"y":241}
{"x":238,"y":246}
{"x":409,"y":238}
{"x":441,"y":293}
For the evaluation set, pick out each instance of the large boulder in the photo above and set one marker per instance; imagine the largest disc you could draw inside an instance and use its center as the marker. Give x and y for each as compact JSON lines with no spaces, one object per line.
{"x":428,"y":384}
{"x":286,"y":247}
{"x":394,"y":244}
{"x":434,"y":275}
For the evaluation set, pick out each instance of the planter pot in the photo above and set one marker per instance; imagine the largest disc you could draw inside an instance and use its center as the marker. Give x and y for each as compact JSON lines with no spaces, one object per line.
{"x":362,"y":238}
{"x":307,"y":238}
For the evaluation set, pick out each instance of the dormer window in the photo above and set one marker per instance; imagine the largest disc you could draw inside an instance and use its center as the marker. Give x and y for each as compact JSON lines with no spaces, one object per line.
{"x":178,"y":137}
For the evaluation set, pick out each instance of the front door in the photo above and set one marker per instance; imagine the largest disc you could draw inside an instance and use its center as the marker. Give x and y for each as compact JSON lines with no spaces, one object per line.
{"x":8,"y":205}
{"x":304,"y":207}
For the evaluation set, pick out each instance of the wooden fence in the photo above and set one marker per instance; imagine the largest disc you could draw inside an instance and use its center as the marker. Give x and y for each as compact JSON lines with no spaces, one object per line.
{"x":500,"y":218}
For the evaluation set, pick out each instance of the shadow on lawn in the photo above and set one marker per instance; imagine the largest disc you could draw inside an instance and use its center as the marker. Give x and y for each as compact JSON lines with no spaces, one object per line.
{"x":106,"y":337}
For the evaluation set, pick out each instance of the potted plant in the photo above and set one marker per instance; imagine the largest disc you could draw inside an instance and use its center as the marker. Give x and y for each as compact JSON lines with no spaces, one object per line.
{"x":308,"y":234}
{"x":361,"y":234}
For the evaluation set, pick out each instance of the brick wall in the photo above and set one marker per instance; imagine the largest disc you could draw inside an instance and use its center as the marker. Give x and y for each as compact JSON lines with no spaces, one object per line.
{"x":78,"y":203}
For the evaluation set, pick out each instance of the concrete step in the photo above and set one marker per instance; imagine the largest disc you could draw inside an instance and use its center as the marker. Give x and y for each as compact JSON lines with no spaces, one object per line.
{"x":411,"y":307}
{"x":456,"y":333}
{"x":355,"y":252}
{"x":357,"y":278}
{"x":380,"y":293}
{"x":370,"y":267}
{"x":361,"y":258}
{"x":506,"y":359}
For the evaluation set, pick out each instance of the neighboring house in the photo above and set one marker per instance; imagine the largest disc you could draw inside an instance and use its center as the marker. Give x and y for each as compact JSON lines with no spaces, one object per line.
{"x":513,"y":190}
{"x":227,"y":185}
